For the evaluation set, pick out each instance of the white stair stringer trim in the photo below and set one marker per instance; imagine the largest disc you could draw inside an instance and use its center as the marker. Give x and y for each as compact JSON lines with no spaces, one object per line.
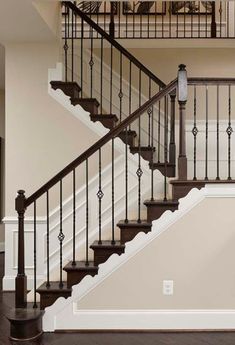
{"x":68,"y":306}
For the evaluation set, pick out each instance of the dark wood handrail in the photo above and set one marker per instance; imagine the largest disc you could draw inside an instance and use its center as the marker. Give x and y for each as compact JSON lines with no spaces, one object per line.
{"x":210,"y":81}
{"x":100,"y":143}
{"x":114,"y":43}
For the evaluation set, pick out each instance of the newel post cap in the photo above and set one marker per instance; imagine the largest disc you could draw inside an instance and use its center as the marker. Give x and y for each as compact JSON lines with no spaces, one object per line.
{"x":182,"y":67}
{"x":20,"y":201}
{"x":182,"y":83}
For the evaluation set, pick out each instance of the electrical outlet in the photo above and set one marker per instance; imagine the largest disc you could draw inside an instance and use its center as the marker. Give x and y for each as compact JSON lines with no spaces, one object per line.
{"x":168,"y":287}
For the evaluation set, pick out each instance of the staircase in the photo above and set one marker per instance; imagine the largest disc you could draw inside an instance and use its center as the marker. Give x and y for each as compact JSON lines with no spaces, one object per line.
{"x":160,"y":104}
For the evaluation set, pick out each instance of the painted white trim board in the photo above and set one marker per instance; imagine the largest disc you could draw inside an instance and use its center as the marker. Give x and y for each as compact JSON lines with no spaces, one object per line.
{"x":151,"y":320}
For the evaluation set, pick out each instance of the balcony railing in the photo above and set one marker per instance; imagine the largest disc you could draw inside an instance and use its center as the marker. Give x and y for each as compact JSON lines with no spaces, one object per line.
{"x":161,"y":19}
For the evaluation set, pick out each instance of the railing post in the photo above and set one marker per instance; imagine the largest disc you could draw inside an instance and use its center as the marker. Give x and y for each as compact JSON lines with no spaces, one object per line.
{"x":213,"y":20}
{"x":21,"y":279}
{"x":182,"y":100}
{"x":111,"y":24}
{"x":172,"y":129}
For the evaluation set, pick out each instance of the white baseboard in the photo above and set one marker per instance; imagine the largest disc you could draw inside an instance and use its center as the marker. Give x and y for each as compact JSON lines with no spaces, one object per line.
{"x":2,"y":247}
{"x":149,"y":320}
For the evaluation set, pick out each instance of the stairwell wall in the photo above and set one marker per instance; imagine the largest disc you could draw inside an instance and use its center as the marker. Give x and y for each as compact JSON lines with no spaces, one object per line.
{"x":41,"y":136}
{"x":196,"y":253}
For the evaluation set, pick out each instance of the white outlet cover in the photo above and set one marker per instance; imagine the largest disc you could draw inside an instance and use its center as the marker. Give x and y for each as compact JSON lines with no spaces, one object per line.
{"x":168,"y":287}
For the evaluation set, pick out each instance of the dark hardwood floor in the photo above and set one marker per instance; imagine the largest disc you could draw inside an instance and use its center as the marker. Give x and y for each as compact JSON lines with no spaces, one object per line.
{"x":192,"y":338}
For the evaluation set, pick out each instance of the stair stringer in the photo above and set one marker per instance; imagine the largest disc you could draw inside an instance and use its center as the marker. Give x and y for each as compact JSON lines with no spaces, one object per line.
{"x":62,"y":315}
{"x":158,"y":117}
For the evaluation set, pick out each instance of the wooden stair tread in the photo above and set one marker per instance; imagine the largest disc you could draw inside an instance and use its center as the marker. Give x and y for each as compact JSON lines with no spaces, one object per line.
{"x":156,"y":165}
{"x":58,"y":84}
{"x":54,"y":287}
{"x":107,"y":244}
{"x":162,"y":202}
{"x":134,"y":224}
{"x":24,"y":314}
{"x":129,"y":132}
{"x":82,"y":100}
{"x":80,"y":266}
{"x":104,"y":116}
{"x":142,"y":148}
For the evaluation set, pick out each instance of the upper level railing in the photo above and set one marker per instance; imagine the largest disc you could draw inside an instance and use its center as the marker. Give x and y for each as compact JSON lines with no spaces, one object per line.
{"x":161,"y":19}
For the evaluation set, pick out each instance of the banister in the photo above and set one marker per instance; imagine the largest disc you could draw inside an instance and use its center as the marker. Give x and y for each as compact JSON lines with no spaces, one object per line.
{"x":210,"y":81}
{"x":114,"y":43}
{"x":100,"y":143}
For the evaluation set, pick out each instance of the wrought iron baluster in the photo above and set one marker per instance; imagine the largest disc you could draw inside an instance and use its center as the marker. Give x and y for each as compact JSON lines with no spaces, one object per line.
{"x":126,"y":26}
{"x":126,"y":174}
{"x":91,"y":62}
{"x":61,"y":235}
{"x":66,"y":44}
{"x":141,"y":25}
{"x":111,"y":79}
{"x":206,"y":148}
{"x":149,"y":117}
{"x":195,"y":132}
{"x":139,"y":171}
{"x":133,"y":18}
{"x":228,"y":23}
{"x":72,"y":48}
{"x":159,"y":130}
{"x":177,"y":24}
{"x":220,"y":18}
{"x":152,"y":153}
{"x":130,"y":89}
{"x":217,"y":133}
{"x":155,"y":20}
{"x":120,"y":94}
{"x":87,"y":215}
{"x":35,"y":253}
{"x":48,"y":241}
{"x":229,"y":131}
{"x":113,"y":195}
{"x":81,"y":61}
{"x":101,"y":72}
{"x":105,"y":13}
{"x":199,"y":20}
{"x":100,"y":195}
{"x":148,"y":25}
{"x":119,"y":19}
{"x":165,"y":147}
{"x":170,"y":9}
{"x":74,"y":217}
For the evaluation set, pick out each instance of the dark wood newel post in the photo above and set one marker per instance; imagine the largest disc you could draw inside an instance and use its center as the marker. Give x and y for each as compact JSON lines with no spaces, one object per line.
{"x":111,"y":24}
{"x":213,"y":20}
{"x":21,"y":279}
{"x":172,"y":129}
{"x":182,"y":99}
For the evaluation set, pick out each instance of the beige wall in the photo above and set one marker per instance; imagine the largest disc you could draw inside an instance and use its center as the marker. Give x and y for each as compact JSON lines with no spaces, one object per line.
{"x":41,"y":136}
{"x":197,"y":253}
{"x":200,"y":62}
